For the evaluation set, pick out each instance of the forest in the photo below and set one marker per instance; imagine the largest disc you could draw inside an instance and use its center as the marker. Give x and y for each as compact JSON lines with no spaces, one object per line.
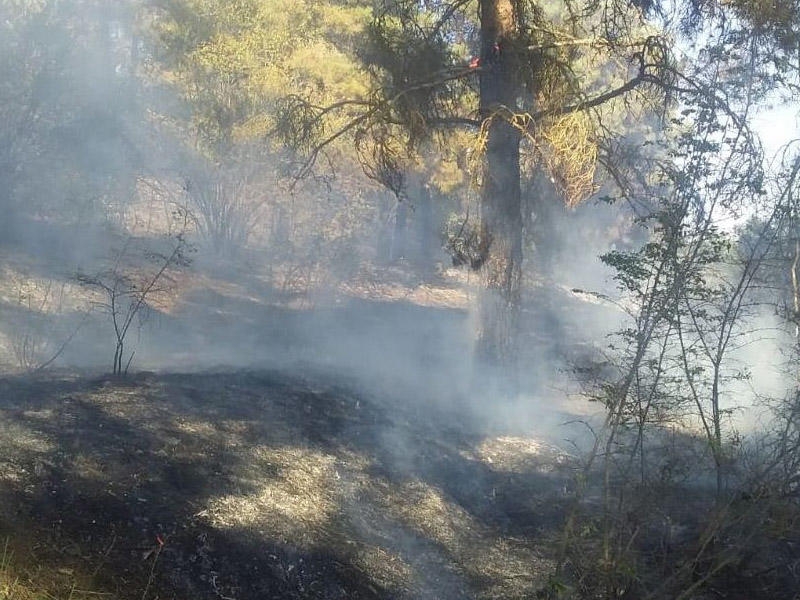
{"x":400,"y":299}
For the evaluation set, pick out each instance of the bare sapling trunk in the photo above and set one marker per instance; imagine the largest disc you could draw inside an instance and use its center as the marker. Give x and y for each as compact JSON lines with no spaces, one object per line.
{"x":128,"y":294}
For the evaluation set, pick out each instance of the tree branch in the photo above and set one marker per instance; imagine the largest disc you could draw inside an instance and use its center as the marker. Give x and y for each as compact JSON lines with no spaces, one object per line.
{"x":374,"y":108}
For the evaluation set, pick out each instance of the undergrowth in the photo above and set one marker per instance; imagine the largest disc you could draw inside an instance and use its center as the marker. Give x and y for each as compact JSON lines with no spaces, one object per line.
{"x":22,"y":577}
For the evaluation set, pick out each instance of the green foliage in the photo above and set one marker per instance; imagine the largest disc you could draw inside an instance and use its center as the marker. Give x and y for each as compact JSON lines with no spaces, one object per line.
{"x":692,"y":293}
{"x":235,"y":62}
{"x":408,"y":56}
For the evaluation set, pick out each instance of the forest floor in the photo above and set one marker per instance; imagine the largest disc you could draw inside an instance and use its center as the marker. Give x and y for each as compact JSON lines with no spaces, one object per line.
{"x":260,"y":484}
{"x":289,"y":445}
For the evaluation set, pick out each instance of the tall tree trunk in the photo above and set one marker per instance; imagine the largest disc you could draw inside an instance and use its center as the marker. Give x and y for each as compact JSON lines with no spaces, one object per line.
{"x":500,"y":210}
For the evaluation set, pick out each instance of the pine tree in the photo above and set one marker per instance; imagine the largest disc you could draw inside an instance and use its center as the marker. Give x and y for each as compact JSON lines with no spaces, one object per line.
{"x":528,"y":81}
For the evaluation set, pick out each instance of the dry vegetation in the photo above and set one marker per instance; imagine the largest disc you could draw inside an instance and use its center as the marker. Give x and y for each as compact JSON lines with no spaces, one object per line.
{"x":263,"y":486}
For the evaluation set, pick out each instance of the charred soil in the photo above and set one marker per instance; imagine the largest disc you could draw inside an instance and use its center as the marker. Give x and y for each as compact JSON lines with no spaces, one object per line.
{"x":253,"y":485}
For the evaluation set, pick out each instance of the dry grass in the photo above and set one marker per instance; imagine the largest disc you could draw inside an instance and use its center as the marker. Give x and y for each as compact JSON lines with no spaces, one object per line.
{"x":387,"y":569}
{"x":397,"y":284}
{"x":18,"y":287}
{"x":17,"y":439}
{"x":266,"y":463}
{"x":34,"y":303}
{"x":22,"y":579}
{"x":89,"y":467}
{"x":440,"y":297}
{"x":508,"y":568}
{"x":296,"y":497}
{"x":512,"y":454}
{"x":424,"y":509}
{"x":421,"y":295}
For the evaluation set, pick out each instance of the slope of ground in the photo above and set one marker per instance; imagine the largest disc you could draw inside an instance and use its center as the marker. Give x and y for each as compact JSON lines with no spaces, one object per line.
{"x":252,"y":485}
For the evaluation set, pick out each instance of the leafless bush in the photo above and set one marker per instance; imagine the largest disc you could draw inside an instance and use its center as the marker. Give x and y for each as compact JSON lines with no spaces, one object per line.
{"x":129,"y":285}
{"x":33,"y":333}
{"x":227,"y":204}
{"x":29,"y":342}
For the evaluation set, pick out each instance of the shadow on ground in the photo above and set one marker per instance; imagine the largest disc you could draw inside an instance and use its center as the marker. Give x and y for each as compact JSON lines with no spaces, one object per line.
{"x":262,"y":485}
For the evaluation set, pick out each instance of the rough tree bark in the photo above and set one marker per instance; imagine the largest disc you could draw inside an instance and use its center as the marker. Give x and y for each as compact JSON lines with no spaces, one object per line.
{"x":500,"y":208}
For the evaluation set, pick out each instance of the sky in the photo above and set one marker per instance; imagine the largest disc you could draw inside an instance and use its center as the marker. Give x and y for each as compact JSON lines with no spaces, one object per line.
{"x":778,"y":126}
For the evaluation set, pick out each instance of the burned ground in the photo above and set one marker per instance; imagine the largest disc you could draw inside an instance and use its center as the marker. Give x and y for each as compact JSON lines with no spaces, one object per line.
{"x":265,"y":485}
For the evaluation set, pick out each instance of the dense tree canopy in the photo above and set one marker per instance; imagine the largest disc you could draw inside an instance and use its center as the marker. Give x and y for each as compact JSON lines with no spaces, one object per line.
{"x":538,"y":87}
